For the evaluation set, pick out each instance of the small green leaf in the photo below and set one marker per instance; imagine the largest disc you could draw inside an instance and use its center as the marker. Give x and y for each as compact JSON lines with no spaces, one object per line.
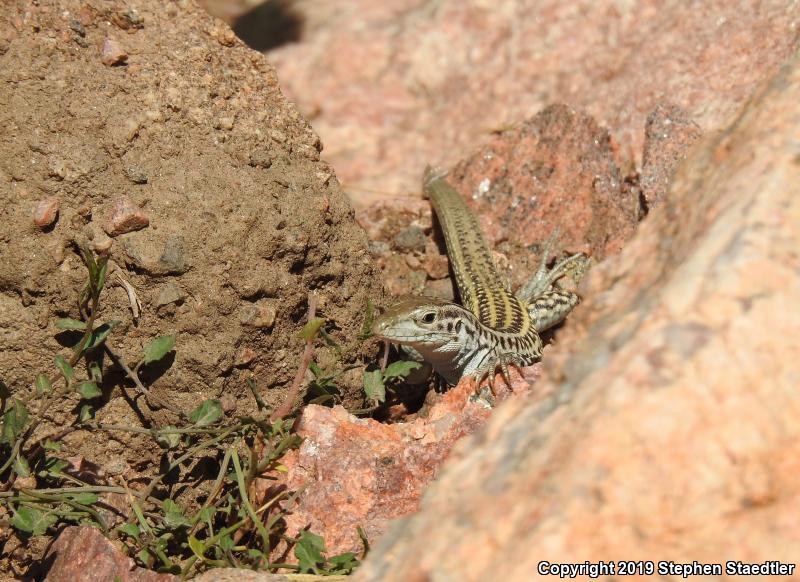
{"x":399,"y":369}
{"x":168,"y":440}
{"x":86,"y":413}
{"x":311,"y":329}
{"x":205,"y":514}
{"x":255,"y":555}
{"x":95,"y":373}
{"x":197,"y":547}
{"x":374,"y":387}
{"x":308,"y":552}
{"x":14,"y":421}
{"x":100,"y":334}
{"x":32,"y":521}
{"x":209,"y":412}
{"x":88,"y":260}
{"x":64,"y":367}
{"x":145,"y":557}
{"x":53,"y":466}
{"x":343,"y":563}
{"x":21,"y":466}
{"x":369,"y":317}
{"x":173,"y":515}
{"x":84,"y":498}
{"x":101,"y":273}
{"x":129,"y":529}
{"x":158,"y":348}
{"x":315,"y":369}
{"x":43,"y":384}
{"x":52,"y":446}
{"x":226,"y":543}
{"x":89,"y":390}
{"x":69,"y":323}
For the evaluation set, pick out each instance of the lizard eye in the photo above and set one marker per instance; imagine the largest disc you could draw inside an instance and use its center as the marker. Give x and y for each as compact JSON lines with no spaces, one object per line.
{"x":429,"y":317}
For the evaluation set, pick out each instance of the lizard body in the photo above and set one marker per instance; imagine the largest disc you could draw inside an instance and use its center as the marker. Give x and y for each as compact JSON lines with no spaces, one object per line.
{"x":494,"y":328}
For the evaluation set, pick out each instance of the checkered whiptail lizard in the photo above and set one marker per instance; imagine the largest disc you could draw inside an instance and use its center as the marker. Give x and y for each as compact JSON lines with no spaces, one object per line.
{"x":494,"y":327}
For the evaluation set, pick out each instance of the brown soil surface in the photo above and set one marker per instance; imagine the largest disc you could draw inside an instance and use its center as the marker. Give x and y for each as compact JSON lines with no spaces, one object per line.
{"x":158,"y":121}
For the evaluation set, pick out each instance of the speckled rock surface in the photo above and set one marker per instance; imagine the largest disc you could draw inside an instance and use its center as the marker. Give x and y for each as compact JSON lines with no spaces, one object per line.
{"x":83,"y":553}
{"x":392,"y":86}
{"x":671,"y":432}
{"x":359,"y":472}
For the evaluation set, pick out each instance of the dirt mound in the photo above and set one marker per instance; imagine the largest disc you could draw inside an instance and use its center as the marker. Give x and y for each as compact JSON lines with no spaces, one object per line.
{"x":167,"y":145}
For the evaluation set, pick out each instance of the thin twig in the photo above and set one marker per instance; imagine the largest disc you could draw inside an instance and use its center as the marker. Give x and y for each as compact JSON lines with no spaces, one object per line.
{"x":385,"y":359}
{"x":138,"y":383}
{"x":308,"y":353}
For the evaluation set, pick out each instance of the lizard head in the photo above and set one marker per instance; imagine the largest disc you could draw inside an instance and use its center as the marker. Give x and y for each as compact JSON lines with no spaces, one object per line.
{"x":437,"y":330}
{"x":415,"y":321}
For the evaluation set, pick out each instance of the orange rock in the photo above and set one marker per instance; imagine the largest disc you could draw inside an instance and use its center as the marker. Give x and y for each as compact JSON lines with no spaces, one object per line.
{"x":83,"y":553}
{"x":112,"y":53}
{"x":46,"y":212}
{"x":360,"y":472}
{"x":672,"y":432}
{"x":125,"y":217}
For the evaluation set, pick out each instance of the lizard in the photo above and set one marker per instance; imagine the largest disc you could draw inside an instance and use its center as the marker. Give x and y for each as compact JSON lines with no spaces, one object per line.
{"x":493,"y":327}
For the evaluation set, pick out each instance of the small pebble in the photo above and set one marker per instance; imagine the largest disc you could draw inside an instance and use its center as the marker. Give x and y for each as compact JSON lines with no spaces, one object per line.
{"x":170,"y":293}
{"x":77,"y":27}
{"x":228,"y":403}
{"x":136,"y":175}
{"x":125,"y":217}
{"x":102,"y":243}
{"x":259,"y":315}
{"x":113,"y":53}
{"x":413,"y":262}
{"x":260,"y":159}
{"x":224,"y":123}
{"x":411,"y":238}
{"x":46,"y":212}
{"x":244,"y":357}
{"x":437,"y":266}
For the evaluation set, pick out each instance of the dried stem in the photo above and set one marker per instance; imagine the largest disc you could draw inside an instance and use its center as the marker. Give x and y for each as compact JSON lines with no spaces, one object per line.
{"x":308,"y":353}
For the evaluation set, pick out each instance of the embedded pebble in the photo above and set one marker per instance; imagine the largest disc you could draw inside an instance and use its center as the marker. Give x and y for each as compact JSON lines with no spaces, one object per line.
{"x":228,"y":403}
{"x":244,"y":357}
{"x":113,"y":53}
{"x":413,"y":262}
{"x":170,"y":293}
{"x":102,"y":243}
{"x":437,"y":266}
{"x":125,"y":217}
{"x":46,"y":212}
{"x":173,"y":259}
{"x":260,"y":315}
{"x":116,"y":466}
{"x":77,"y":27}
{"x":411,"y":238}
{"x":136,"y":175}
{"x":260,"y":159}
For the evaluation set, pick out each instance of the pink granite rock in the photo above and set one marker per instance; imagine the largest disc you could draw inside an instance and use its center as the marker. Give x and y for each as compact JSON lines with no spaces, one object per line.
{"x":392,"y":86}
{"x":124,"y":217}
{"x":112,"y":53}
{"x":83,"y":553}
{"x":360,"y":472}
{"x":46,"y":212}
{"x":672,"y":431}
{"x":668,"y":135}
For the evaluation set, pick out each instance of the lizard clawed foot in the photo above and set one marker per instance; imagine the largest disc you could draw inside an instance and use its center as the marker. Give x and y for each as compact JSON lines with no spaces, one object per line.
{"x":488,"y":372}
